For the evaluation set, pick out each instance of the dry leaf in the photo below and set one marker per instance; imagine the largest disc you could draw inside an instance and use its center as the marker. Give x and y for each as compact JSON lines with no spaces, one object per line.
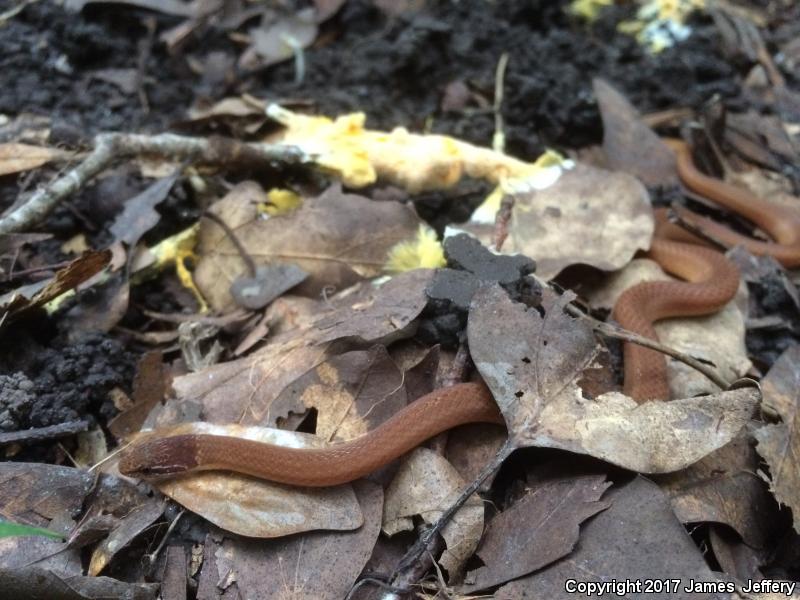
{"x":425,"y":486}
{"x":337,"y":238}
{"x":536,"y":530}
{"x":244,"y":390}
{"x":532,"y":363}
{"x":352,"y":393}
{"x":630,"y":145}
{"x":78,"y":271}
{"x":638,"y":538}
{"x":139,"y":214}
{"x":126,"y":529}
{"x":15,"y":158}
{"x":779,"y":444}
{"x":321,"y":565}
{"x":723,"y":488}
{"x":588,"y":216}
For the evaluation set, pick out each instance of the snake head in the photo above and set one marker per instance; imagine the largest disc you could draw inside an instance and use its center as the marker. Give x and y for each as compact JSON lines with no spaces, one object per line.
{"x":161,"y":457}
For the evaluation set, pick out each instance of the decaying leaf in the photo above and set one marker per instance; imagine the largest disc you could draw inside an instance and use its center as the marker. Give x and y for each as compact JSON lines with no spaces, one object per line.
{"x":531,"y":363}
{"x":537,"y":530}
{"x":139,"y":214}
{"x":425,"y":486}
{"x":243,"y":390}
{"x":126,"y":529}
{"x":15,"y":157}
{"x":78,"y":271}
{"x":723,"y":488}
{"x":322,"y":564}
{"x":718,"y":338}
{"x":337,"y":238}
{"x":352,"y":393}
{"x":279,"y":37}
{"x":630,"y":145}
{"x":255,"y":507}
{"x":588,"y":216}
{"x":638,"y":538}
{"x":779,"y":444}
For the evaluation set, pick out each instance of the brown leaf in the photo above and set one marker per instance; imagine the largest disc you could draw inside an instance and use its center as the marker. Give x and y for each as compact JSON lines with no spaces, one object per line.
{"x":723,"y":488}
{"x":779,"y":444}
{"x":352,"y":392}
{"x":139,"y":214}
{"x":537,"y":530}
{"x":322,"y":565}
{"x":588,"y":216}
{"x":78,"y":271}
{"x":126,"y":530}
{"x":425,"y":486}
{"x":279,"y":37}
{"x":531,"y":363}
{"x":150,"y":386}
{"x":630,"y":145}
{"x":337,"y":238}
{"x":15,"y":158}
{"x":637,"y":538}
{"x":244,"y":390}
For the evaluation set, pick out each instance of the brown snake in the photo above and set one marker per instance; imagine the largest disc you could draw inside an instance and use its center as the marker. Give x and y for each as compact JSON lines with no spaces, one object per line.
{"x":711,"y":281}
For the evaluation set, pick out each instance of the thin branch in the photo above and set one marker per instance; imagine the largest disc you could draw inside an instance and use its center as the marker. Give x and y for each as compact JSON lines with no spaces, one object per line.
{"x":109,"y":147}
{"x":420,"y":547}
{"x":619,"y":333}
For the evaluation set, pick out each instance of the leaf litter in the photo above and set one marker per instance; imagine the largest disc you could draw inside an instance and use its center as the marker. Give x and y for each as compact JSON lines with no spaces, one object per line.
{"x":304,"y":321}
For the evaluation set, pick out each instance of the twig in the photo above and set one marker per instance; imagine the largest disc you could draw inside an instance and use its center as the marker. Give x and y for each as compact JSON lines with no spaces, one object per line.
{"x":38,"y":434}
{"x":499,"y":137}
{"x":623,"y":334}
{"x":501,"y":221}
{"x":420,"y":547}
{"x":248,"y":260}
{"x":109,"y":147}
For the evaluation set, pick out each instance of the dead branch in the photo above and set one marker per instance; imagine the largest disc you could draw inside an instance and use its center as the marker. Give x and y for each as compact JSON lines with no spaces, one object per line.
{"x":109,"y":147}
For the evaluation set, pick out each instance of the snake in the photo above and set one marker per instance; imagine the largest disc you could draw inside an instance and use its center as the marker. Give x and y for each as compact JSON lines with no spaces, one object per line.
{"x":709,"y":281}
{"x":424,"y":418}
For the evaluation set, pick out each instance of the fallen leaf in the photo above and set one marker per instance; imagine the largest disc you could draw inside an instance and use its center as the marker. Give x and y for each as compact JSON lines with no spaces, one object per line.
{"x":630,"y":145}
{"x":779,"y":443}
{"x":638,"y":539}
{"x":588,"y":216}
{"x":336,"y":238}
{"x":279,"y":37}
{"x":256,"y":291}
{"x":126,"y":530}
{"x":15,"y":158}
{"x":139,"y":214}
{"x":531,"y":363}
{"x":33,"y":581}
{"x":244,"y":390}
{"x":78,"y":271}
{"x":536,"y":530}
{"x":322,"y":565}
{"x":425,"y":486}
{"x":734,"y":556}
{"x":150,"y":385}
{"x":723,"y":488}
{"x":352,"y":393}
